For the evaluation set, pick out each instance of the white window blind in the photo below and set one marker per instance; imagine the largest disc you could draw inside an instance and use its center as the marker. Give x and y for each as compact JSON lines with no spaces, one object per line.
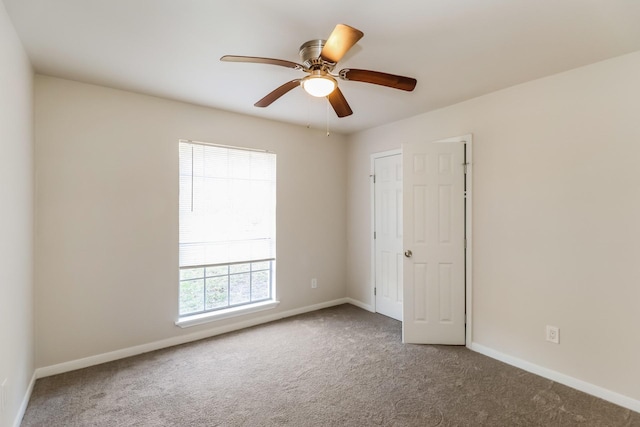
{"x":227,"y":205}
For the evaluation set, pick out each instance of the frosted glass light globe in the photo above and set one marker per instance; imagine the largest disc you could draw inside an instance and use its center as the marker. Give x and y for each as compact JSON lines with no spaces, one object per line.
{"x":319,"y":86}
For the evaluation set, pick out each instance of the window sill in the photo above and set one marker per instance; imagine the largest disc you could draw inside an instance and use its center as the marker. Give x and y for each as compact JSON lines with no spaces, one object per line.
{"x":199,"y":319}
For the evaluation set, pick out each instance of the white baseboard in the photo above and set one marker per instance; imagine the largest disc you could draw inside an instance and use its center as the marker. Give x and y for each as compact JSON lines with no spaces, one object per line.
{"x":25,"y":402}
{"x":182,"y":339}
{"x":360,"y":304}
{"x":558,"y":377}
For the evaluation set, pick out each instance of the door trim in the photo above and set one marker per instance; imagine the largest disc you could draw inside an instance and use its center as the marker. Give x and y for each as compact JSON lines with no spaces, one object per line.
{"x":372,"y":217}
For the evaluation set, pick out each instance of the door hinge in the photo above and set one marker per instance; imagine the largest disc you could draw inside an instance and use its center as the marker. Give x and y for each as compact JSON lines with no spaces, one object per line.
{"x":374,"y":178}
{"x":465,"y":243}
{"x":465,"y":167}
{"x":374,"y":292}
{"x":374,"y":235}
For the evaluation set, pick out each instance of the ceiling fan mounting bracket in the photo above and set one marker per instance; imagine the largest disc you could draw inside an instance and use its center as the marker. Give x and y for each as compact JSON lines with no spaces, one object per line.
{"x":310,"y":55}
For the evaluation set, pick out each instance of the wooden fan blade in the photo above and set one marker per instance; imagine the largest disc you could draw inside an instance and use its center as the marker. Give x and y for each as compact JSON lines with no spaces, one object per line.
{"x":339,"y":42}
{"x":339,"y":103}
{"x":268,"y":100}
{"x":378,"y":78}
{"x":259,"y":60}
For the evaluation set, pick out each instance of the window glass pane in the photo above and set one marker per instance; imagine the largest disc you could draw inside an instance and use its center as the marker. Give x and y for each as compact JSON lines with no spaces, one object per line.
{"x":191,"y":273}
{"x":191,"y":292}
{"x":220,"y":270}
{"x":217,"y":296}
{"x":239,"y":268}
{"x":265,"y":265}
{"x":239,"y":288}
{"x":260,"y":285}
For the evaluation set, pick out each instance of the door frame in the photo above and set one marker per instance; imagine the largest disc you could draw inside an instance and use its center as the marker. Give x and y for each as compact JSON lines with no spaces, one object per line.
{"x":468,"y":276}
{"x":372,"y":215}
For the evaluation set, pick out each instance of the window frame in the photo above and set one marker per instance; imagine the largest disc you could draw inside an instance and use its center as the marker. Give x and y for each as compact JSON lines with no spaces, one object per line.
{"x":229,"y":274}
{"x":230,"y":309}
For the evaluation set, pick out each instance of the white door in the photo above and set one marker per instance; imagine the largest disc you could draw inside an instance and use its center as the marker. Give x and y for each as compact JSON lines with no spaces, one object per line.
{"x":388,"y":235}
{"x":434,"y":253}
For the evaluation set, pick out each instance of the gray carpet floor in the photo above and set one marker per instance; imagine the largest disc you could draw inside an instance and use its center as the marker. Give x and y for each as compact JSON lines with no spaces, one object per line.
{"x":340,"y":366}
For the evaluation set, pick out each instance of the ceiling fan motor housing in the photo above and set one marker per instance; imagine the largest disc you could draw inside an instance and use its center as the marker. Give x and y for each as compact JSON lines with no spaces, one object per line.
{"x":310,"y":55}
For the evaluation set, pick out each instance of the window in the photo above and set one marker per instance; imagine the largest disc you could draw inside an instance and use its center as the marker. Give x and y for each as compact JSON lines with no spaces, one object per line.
{"x":227,"y":227}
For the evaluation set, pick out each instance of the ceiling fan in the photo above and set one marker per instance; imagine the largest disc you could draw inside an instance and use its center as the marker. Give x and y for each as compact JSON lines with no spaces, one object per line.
{"x":319,"y":58}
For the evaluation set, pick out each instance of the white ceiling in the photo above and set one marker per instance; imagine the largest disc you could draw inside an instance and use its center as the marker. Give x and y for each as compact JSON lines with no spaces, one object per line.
{"x":457,"y":49}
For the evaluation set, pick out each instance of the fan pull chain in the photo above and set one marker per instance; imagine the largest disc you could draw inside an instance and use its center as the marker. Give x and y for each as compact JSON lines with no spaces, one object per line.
{"x":327,"y":117}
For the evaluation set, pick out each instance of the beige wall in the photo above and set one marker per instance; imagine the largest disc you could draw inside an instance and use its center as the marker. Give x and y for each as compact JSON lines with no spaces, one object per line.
{"x":107,"y":218}
{"x":16,"y":220}
{"x":556,"y":213}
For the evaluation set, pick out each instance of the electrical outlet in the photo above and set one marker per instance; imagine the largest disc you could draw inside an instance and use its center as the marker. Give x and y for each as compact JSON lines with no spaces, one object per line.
{"x":553,"y":334}
{"x":314,"y":283}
